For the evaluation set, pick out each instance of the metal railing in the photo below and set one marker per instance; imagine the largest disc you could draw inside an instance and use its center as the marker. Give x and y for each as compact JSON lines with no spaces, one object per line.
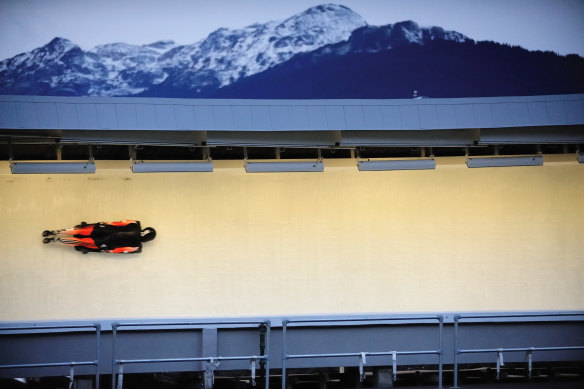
{"x":500,"y":351}
{"x":262,"y":360}
{"x":118,"y":364}
{"x":362,"y":355}
{"x":59,"y":329}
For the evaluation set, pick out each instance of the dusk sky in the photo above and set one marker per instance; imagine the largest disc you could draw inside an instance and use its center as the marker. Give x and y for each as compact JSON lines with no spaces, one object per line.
{"x":556,"y":25}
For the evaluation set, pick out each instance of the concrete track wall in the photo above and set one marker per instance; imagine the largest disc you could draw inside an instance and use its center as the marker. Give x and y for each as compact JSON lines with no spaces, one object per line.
{"x":343,"y":241}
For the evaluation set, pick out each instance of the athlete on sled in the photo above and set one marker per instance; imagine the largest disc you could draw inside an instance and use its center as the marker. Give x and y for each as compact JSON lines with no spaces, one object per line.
{"x":114,"y":237}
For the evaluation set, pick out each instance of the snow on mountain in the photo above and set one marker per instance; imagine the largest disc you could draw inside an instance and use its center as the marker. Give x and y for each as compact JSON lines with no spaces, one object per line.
{"x":222,"y":58}
{"x":130,"y":68}
{"x":59,"y":67}
{"x":119,"y":69}
{"x":228,"y":55}
{"x":51,"y":52}
{"x":374,"y":39}
{"x":393,"y":61}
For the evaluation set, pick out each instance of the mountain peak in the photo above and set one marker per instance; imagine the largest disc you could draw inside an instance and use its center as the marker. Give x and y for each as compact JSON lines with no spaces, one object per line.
{"x":328,"y":8}
{"x":336,"y":22}
{"x":227,"y":55}
{"x":60,"y":45}
{"x":325,"y":14}
{"x":58,"y":40}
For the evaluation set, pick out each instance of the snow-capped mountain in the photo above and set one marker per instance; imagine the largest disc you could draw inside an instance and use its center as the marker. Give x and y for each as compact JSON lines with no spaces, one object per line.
{"x":327,"y":51}
{"x":228,"y":55}
{"x":59,"y":67}
{"x":236,"y":53}
{"x":395,"y":60}
{"x":63,"y":68}
{"x":120,"y":69}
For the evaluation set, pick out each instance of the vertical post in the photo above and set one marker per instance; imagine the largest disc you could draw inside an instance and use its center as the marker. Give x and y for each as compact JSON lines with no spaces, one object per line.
{"x":529,"y":361}
{"x":441,"y":326}
{"x":114,"y":332}
{"x":362,"y":362}
{"x":97,"y":352}
{"x":284,"y":356}
{"x":267,"y":353}
{"x":209,"y":373}
{"x":394,"y":365}
{"x":71,"y":376}
{"x":209,"y":349}
{"x":455,"y":372}
{"x":121,"y":377}
{"x":263,"y":330}
{"x":500,"y":363}
{"x":252,"y":367}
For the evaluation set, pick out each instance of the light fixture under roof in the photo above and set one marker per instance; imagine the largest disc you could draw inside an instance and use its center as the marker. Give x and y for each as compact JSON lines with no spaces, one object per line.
{"x":397,"y":164}
{"x":140,"y":166}
{"x":52,"y":167}
{"x":274,"y":167}
{"x":279,"y":166}
{"x":527,"y":160}
{"x":171,"y":167}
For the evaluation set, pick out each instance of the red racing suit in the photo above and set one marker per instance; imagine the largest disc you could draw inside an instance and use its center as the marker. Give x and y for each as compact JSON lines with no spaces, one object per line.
{"x":112,"y":237}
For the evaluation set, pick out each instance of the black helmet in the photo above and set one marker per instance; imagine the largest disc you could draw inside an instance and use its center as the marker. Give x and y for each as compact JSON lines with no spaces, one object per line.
{"x":148,"y":234}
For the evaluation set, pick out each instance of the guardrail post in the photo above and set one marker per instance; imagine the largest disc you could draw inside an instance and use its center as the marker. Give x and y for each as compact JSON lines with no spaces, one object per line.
{"x":120,"y":376}
{"x":114,"y":333}
{"x":440,"y":329}
{"x":97,"y":353}
{"x":252,"y":368}
{"x":529,"y":362}
{"x":362,"y":362}
{"x":71,"y":376}
{"x":500,"y":363}
{"x":284,"y":356}
{"x":455,"y":355}
{"x":267,"y":354}
{"x":209,"y":374}
{"x":394,"y":365}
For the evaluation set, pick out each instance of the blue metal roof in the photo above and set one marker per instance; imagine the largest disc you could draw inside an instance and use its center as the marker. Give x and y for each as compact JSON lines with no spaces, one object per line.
{"x":119,"y":113}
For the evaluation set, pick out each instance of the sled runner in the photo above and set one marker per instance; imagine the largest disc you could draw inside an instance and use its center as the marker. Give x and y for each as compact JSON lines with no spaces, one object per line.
{"x":113,"y":237}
